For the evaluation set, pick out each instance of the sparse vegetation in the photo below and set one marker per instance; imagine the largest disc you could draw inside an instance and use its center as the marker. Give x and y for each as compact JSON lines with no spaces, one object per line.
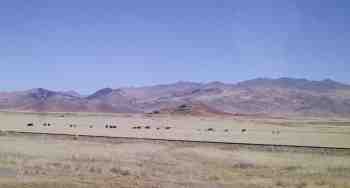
{"x":301,"y":185}
{"x":119,"y":171}
{"x":76,"y":137}
{"x":2,"y":133}
{"x":281,"y":183}
{"x":60,"y":162}
{"x":244,"y":165}
{"x":100,"y":162}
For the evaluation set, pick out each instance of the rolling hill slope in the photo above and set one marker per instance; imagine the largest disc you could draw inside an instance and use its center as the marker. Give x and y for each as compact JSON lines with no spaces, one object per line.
{"x":284,"y":96}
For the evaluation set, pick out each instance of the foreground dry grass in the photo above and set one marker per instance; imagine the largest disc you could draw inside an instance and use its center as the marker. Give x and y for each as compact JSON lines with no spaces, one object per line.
{"x":39,"y":161}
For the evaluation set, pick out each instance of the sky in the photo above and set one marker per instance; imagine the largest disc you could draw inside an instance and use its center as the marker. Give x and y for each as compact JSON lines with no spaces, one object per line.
{"x":87,"y":45}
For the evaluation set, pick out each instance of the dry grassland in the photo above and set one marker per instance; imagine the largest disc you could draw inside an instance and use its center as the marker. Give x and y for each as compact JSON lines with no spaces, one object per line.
{"x":38,"y":161}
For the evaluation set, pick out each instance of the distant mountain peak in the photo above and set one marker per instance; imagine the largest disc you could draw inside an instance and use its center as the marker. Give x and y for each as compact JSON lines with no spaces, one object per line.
{"x":185,"y":82}
{"x":41,"y":93}
{"x":39,"y":90}
{"x":216,"y":83}
{"x":100,"y":93}
{"x":295,"y":83}
{"x":72,"y":93}
{"x":328,"y":80}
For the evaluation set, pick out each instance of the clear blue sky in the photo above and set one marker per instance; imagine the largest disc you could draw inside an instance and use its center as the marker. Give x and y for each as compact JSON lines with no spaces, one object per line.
{"x":86,"y":45}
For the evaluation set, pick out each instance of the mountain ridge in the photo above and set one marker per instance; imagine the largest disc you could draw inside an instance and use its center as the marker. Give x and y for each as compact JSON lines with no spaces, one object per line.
{"x":281,"y":96}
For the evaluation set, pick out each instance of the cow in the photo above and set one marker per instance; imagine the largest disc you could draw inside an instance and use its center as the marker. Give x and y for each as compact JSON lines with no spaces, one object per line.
{"x":210,"y":129}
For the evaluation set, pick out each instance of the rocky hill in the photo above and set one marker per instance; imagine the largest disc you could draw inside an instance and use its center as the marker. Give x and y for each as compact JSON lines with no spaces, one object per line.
{"x":284,"y":96}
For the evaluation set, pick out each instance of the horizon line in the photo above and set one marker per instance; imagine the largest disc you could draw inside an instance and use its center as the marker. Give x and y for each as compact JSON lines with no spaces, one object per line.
{"x":177,"y":82}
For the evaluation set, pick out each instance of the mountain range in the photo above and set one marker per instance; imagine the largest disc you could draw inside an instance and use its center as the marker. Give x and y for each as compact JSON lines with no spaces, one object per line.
{"x":283,"y":97}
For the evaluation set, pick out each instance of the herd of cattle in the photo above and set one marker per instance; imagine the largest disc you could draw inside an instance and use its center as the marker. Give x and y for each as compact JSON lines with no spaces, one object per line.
{"x":110,"y":126}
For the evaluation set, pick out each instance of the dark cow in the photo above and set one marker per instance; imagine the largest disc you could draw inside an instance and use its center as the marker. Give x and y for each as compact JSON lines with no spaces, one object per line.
{"x":72,"y":126}
{"x":210,"y":129}
{"x":111,"y":126}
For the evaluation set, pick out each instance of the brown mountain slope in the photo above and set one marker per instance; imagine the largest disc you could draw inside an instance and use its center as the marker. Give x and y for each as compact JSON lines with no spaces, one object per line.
{"x":284,"y":96}
{"x":194,"y":109}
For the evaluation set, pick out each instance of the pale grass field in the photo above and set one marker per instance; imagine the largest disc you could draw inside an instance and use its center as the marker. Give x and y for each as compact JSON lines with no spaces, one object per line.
{"x":41,"y":161}
{"x":293,"y":131}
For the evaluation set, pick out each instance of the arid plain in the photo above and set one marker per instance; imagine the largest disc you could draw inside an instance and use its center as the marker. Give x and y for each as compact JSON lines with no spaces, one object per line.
{"x":41,"y":160}
{"x":315,"y":132}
